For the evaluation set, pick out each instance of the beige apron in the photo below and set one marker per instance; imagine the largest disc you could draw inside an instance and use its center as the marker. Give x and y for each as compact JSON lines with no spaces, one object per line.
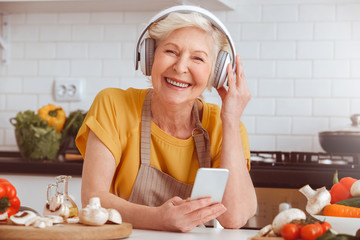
{"x":153,"y":187}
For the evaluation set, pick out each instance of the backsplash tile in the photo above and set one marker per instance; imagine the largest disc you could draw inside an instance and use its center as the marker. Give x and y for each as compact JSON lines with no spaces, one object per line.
{"x":301,"y":60}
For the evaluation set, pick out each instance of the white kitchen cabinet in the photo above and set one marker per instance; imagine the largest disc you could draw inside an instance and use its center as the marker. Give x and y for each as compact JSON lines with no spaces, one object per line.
{"x":31,"y":189}
{"x":11,"y":6}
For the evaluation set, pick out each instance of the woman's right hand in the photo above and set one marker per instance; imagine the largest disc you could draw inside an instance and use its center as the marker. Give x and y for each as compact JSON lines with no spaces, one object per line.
{"x":181,"y":215}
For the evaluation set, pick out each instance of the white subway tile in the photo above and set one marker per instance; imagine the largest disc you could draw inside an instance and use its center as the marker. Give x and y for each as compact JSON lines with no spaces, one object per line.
{"x":315,"y":50}
{"x":23,"y":68}
{"x":293,"y":107}
{"x":348,"y":11}
{"x":258,"y":31}
{"x":105,"y":50}
{"x":254,"y":68}
{"x":74,"y":18}
{"x":17,"y":50}
{"x":86,"y":68}
{"x":355,"y":69}
{"x":24,"y":33}
{"x":45,"y":99}
{"x":17,"y":18}
{"x":115,"y":68}
{"x":234,"y":31}
{"x":347,"y":50}
{"x":2,"y":102}
{"x":41,"y":18}
{"x":10,"y":139}
{"x":54,"y":68}
{"x":276,"y":88}
{"x":5,"y":118}
{"x":260,"y":106}
{"x":294,"y":69}
{"x":87,"y":32}
{"x":95,"y":85}
{"x":312,"y":12}
{"x":128,"y":49}
{"x":72,"y":50}
{"x":138,"y":17}
{"x":38,"y":85}
{"x":245,"y":13}
{"x":294,"y":143}
{"x":55,"y":33}
{"x":134,"y":82}
{"x":355,"y":106}
{"x":253,"y":86}
{"x":83,"y":105}
{"x":331,"y":69}
{"x":249,"y":123}
{"x":107,"y":17}
{"x":346,"y":88}
{"x":280,"y":13}
{"x":120,"y":32}
{"x":331,"y":107}
{"x":262,"y":143}
{"x":2,"y":137}
{"x":273,"y":125}
{"x":309,"y":125}
{"x":278,"y":50}
{"x":21,"y":102}
{"x":212,"y":98}
{"x":312,"y":88}
{"x":40,"y":50}
{"x":295,"y":31}
{"x":248,"y":49}
{"x":10,"y":85}
{"x":356,"y":30}
{"x":333,"y":31}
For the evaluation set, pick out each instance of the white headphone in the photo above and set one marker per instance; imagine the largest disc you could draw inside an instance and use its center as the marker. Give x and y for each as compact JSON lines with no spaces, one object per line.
{"x":145,"y":48}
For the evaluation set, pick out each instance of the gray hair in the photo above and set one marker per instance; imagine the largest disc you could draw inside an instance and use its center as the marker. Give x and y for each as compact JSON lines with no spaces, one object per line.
{"x":176,"y":20}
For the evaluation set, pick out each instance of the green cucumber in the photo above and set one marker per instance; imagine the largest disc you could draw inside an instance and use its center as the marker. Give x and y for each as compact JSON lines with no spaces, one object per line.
{"x":352,"y":202}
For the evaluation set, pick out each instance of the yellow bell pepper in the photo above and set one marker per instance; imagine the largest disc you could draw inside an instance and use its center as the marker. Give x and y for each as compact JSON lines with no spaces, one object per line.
{"x":55,"y":116}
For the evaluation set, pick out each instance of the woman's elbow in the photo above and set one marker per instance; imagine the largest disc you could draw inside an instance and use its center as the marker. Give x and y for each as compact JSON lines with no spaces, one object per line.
{"x":239,"y":220}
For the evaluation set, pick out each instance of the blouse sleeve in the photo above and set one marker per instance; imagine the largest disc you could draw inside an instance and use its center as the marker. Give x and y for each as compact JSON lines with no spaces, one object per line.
{"x":101,"y":120}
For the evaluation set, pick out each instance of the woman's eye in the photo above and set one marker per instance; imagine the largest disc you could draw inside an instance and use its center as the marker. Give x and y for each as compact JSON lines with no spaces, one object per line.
{"x":200,"y":59}
{"x":170,"y":51}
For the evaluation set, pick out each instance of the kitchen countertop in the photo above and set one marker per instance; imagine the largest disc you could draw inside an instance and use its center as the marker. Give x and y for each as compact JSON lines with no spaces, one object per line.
{"x":12,"y":162}
{"x":197,"y":233}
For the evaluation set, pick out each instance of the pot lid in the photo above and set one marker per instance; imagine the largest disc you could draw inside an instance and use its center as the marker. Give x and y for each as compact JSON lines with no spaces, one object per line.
{"x":352,"y":129}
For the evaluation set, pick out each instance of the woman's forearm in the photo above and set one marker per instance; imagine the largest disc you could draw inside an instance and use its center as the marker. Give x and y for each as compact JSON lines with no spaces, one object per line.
{"x":239,"y":197}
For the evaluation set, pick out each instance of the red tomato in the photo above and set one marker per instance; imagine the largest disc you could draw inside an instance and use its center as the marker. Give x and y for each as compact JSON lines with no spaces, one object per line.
{"x":311,"y":231}
{"x":290,"y":231}
{"x":325,"y":226}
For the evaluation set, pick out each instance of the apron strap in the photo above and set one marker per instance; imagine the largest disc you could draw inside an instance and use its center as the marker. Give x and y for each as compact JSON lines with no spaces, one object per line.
{"x":145,"y":141}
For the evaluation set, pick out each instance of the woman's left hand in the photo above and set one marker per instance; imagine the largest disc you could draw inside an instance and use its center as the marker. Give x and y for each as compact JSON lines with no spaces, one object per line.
{"x":236,"y":97}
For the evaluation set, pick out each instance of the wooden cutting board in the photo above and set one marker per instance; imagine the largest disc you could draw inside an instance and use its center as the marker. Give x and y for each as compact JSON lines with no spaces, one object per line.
{"x":267,"y":238}
{"x":66,"y":231}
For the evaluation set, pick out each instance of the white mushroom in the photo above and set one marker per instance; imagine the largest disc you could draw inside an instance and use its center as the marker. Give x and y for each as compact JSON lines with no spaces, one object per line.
{"x":265,"y":231}
{"x":42,"y":222}
{"x":4,"y":216}
{"x":355,"y":189}
{"x":285,"y":217}
{"x":114,"y":216}
{"x":56,"y":207}
{"x":23,"y":217}
{"x":317,"y":199}
{"x":93,"y":214}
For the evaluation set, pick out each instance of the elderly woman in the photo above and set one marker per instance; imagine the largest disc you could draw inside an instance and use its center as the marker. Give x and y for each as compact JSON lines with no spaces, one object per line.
{"x":139,"y":145}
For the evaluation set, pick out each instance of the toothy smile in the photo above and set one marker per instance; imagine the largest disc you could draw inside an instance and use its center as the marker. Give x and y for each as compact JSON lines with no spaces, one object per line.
{"x":177,"y":84}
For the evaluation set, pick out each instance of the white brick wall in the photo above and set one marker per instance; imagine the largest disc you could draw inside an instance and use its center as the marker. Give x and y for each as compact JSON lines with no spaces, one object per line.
{"x":301,"y":60}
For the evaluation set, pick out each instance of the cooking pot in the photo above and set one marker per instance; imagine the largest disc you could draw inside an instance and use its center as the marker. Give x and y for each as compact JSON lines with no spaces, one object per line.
{"x":342,"y":141}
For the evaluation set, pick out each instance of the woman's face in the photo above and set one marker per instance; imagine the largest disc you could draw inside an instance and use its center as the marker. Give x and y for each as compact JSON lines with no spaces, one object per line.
{"x":182,"y":65}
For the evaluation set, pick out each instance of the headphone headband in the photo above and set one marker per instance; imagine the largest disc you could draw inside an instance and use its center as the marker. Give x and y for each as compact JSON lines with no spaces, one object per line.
{"x":186,"y":9}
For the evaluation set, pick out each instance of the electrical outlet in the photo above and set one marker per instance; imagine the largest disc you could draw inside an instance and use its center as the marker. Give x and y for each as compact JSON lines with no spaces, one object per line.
{"x":68,"y":90}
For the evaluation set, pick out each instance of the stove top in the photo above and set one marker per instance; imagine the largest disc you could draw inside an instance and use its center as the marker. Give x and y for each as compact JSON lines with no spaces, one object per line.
{"x":308,"y":159}
{"x":296,"y":169}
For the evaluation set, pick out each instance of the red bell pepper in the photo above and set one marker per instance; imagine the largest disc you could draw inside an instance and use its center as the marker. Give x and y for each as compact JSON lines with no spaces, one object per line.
{"x":9,"y":202}
{"x":341,"y":189}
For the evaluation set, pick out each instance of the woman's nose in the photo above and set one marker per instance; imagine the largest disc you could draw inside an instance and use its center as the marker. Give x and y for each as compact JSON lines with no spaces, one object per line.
{"x":181,"y":65}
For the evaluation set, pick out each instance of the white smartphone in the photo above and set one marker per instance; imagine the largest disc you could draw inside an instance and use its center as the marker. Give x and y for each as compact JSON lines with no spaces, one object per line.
{"x":210,"y":182}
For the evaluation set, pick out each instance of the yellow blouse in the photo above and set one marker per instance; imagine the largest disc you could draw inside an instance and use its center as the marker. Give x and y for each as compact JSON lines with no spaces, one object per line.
{"x":115,"y":118}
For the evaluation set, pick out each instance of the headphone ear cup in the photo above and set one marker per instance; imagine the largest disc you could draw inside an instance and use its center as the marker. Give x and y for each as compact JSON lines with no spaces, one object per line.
{"x":220,"y":74}
{"x":147,"y":51}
